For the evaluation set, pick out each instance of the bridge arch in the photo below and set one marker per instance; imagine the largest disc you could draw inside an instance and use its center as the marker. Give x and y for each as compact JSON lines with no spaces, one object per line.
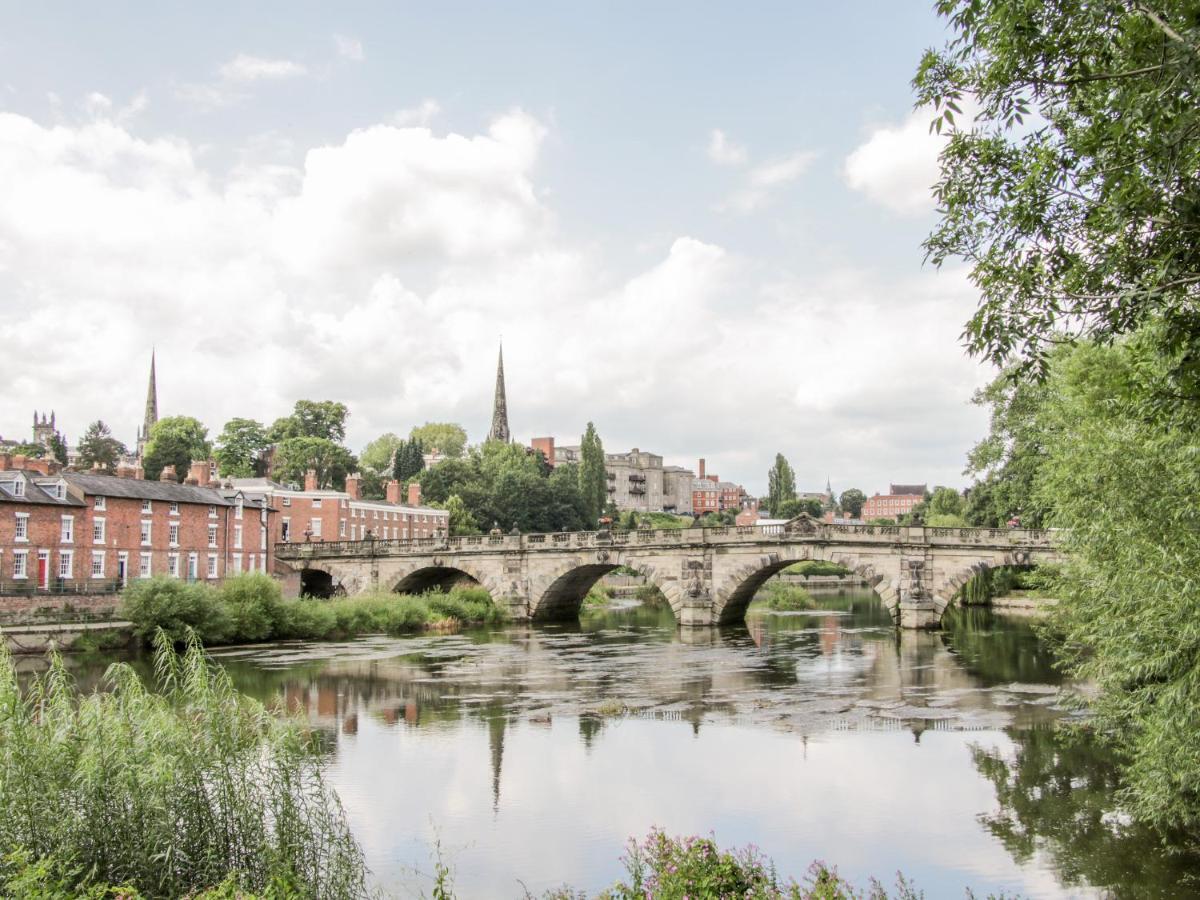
{"x":439,"y":575}
{"x":562,"y":598}
{"x":324,"y":582}
{"x":743,"y":583}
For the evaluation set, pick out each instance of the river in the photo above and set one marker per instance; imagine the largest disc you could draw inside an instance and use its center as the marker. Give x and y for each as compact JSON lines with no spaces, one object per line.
{"x":531,"y":754}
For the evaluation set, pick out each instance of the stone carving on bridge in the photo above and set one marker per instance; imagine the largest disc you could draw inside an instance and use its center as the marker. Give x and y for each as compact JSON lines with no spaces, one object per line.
{"x":802,"y":524}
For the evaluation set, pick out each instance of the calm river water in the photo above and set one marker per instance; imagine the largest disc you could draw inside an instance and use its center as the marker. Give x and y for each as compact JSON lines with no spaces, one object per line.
{"x":816,"y":735}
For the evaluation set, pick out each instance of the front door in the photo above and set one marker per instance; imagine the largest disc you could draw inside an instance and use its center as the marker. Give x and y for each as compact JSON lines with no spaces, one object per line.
{"x":44,"y":569}
{"x":122,"y":569}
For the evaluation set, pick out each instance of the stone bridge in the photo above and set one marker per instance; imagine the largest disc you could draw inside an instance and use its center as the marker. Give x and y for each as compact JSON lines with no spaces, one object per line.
{"x":709,"y":575}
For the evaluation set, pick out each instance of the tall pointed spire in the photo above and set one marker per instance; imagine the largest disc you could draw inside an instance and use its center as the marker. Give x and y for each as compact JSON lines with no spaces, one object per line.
{"x":151,"y":400}
{"x":499,"y":430}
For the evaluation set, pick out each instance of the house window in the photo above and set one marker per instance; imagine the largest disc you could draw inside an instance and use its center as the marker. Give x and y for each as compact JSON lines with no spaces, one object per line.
{"x":237,"y":562}
{"x":316,"y":504}
{"x":342,"y":528}
{"x":237,"y":536}
{"x":173,"y":534}
{"x":212,"y":512}
{"x":193,"y":566}
{"x":286,"y":529}
{"x":316,"y":527}
{"x":145,"y":532}
{"x":97,"y":563}
{"x":147,"y":506}
{"x":174,"y":507}
{"x":353,"y":532}
{"x":173,"y":565}
{"x":65,"y":560}
{"x":22,"y":533}
{"x":20,"y":564}
{"x":237,"y":514}
{"x":212,"y":535}
{"x":100,"y":504}
{"x":212,"y":566}
{"x":144,"y":566}
{"x":262,"y":537}
{"x":287,"y":501}
{"x":19,"y":487}
{"x":97,"y":531}
{"x":68,"y":530}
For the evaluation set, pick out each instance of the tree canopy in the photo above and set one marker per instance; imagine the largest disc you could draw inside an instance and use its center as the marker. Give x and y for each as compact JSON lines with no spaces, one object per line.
{"x":448,"y":438}
{"x":238,"y":448}
{"x":409,"y":459}
{"x":296,"y":455}
{"x":781,"y":485}
{"x":852,"y":501}
{"x":175,"y":441}
{"x":325,"y":419}
{"x":1074,"y":193}
{"x":593,"y":480}
{"x":99,"y":449}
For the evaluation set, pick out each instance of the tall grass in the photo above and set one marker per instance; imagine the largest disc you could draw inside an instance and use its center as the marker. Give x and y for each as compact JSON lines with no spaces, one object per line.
{"x":787,"y":597}
{"x":170,"y":791}
{"x":249,"y":608}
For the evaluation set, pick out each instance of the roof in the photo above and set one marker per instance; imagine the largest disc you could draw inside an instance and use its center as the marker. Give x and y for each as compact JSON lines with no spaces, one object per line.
{"x":33,"y":491}
{"x":908,"y":490}
{"x":114,"y":486}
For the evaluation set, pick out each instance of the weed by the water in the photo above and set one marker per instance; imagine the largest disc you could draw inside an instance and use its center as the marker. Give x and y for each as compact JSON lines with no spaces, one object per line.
{"x":788,"y":597}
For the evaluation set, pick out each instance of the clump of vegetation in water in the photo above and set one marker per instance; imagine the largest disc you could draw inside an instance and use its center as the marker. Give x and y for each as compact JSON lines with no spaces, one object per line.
{"x":612,"y":708}
{"x":168,"y":794}
{"x":598,"y":595}
{"x":1007,"y":580}
{"x":788,"y":597}
{"x":250,"y":607}
{"x":816,"y":567}
{"x":650,"y":595}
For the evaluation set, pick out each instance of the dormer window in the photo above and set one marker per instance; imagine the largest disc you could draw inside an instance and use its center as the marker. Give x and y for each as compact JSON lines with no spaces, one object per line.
{"x":174,"y":507}
{"x":19,"y":487}
{"x":100,"y":503}
{"x":147,"y":506}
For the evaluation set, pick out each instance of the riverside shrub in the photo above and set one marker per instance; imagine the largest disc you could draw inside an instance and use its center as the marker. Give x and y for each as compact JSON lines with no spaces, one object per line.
{"x":175,"y":607}
{"x":173,"y":792}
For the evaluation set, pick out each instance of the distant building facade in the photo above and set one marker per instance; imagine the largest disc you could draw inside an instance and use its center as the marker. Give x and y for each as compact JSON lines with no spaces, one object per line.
{"x":899,"y":501}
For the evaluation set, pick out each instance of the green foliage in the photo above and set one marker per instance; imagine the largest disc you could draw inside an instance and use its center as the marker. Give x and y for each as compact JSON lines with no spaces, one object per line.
{"x":175,"y":607}
{"x":944,"y":520}
{"x":650,"y":595}
{"x":448,"y":438}
{"x":175,"y":441}
{"x":789,"y":509}
{"x":409,"y":460}
{"x":58,"y":448}
{"x":253,"y":604}
{"x":783,"y":597}
{"x":781,"y":486}
{"x":238,"y":448}
{"x":816,"y":567}
{"x":171,"y":792}
{"x":294,"y":456}
{"x":946,"y":502}
{"x":461,"y":520}
{"x":379,"y":455}
{"x":29,"y":448}
{"x":1081,"y":221}
{"x":666,"y":520}
{"x":99,"y":449}
{"x":325,"y":419}
{"x":852,"y":501}
{"x":593,"y":483}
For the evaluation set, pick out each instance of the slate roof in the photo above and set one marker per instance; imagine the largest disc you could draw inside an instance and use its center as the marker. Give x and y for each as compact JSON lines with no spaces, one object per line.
{"x":34,"y":493}
{"x":167,"y":491}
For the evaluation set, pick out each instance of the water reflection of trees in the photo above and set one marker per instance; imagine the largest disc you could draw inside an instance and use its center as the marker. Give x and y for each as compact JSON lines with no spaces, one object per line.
{"x":1056,"y":795}
{"x":999,"y":650}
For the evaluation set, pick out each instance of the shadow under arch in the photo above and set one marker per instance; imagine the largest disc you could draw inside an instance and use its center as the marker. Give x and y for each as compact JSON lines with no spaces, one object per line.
{"x":731,"y":608}
{"x":320,"y":584}
{"x":435,"y":578}
{"x":564,"y":597}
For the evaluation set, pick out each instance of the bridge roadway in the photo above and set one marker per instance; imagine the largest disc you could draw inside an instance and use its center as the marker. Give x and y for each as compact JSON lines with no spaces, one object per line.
{"x":709,"y":575}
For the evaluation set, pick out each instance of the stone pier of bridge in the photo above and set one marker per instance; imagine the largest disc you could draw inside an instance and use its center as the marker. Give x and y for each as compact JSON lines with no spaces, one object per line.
{"x":708,"y":575}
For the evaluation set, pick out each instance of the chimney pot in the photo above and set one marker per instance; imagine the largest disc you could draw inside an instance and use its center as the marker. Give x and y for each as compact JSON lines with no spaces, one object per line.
{"x":702,"y":469}
{"x":392,"y":490}
{"x":414,"y":494}
{"x":198,"y":472}
{"x":310,"y":480}
{"x":354,"y":485}
{"x":168,"y":474}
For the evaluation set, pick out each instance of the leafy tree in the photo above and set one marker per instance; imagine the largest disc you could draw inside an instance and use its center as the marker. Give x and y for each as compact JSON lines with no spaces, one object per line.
{"x":296,"y":455}
{"x":379,"y":455}
{"x":781,"y":485}
{"x":789,"y":509}
{"x":461,"y":520}
{"x":324,"y":419}
{"x":238,"y":448}
{"x":451,"y":476}
{"x":58,"y":448}
{"x":593,"y":482}
{"x":410,"y":460}
{"x":99,"y":449}
{"x":852,"y":501}
{"x":1081,"y":221}
{"x":946,"y":502}
{"x":175,"y":441}
{"x":30,"y":449}
{"x":448,"y":438}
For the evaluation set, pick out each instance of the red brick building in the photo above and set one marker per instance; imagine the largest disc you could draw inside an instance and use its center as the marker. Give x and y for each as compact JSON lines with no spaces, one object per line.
{"x":66,"y":531}
{"x":899,"y":500}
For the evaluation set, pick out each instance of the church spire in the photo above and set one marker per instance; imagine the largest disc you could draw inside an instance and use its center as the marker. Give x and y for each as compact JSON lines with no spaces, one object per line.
{"x":499,"y":430}
{"x":151,"y":400}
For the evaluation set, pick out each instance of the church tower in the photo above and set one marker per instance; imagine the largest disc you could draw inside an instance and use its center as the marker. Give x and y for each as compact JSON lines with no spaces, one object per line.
{"x":499,"y":430}
{"x":151,"y":413}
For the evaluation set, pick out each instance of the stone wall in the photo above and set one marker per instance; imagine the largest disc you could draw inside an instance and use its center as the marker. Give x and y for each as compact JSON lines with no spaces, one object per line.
{"x":42,"y":608}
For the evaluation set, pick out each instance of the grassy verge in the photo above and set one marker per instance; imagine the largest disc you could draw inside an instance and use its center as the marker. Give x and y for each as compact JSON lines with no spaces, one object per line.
{"x":249,"y":608}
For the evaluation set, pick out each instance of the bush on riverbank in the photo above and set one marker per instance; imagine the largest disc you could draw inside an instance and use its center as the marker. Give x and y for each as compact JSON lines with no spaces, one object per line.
{"x":788,"y":597}
{"x":169,"y":793}
{"x":248,"y":608}
{"x":816,"y":567}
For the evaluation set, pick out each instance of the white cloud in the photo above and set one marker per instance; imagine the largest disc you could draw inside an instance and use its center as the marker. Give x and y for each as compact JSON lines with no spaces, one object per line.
{"x":725,"y":152}
{"x":381,"y":272}
{"x":897,"y":165}
{"x":349,"y":48}
{"x":765,"y":179}
{"x":421,"y":114}
{"x":244,"y":68}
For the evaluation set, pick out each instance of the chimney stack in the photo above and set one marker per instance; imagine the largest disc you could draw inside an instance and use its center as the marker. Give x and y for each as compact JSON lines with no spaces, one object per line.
{"x":414,"y":494}
{"x":310,"y":480}
{"x":354,"y":485}
{"x":701,"y":469}
{"x":168,"y":474}
{"x":199,"y":472}
{"x":392,"y":491}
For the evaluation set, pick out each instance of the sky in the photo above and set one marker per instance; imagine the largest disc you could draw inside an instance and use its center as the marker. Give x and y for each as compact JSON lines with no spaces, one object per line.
{"x":697,"y":225}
